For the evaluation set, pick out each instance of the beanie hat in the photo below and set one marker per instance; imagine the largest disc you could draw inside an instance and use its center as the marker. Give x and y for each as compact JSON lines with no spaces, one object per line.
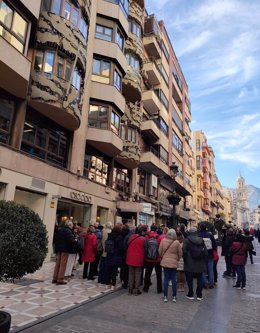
{"x":172,"y":234}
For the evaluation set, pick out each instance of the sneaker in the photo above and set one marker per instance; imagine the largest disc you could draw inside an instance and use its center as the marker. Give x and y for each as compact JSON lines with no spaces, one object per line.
{"x":199,"y":298}
{"x":112,"y":288}
{"x":165,"y":299}
{"x":243,"y":288}
{"x":237,"y":286}
{"x":189,"y":297}
{"x":174,"y":299}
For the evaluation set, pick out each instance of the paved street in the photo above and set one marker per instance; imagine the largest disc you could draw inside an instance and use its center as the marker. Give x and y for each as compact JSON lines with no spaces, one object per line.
{"x":223,"y":310}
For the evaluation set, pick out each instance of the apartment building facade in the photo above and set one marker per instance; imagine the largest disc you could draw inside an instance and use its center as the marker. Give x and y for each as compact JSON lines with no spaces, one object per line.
{"x":94,"y":109}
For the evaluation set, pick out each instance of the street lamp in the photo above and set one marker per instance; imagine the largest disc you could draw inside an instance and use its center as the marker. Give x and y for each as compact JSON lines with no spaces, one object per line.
{"x":175,"y":198}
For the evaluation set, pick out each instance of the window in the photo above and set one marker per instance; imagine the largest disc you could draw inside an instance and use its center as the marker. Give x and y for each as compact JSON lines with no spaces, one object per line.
{"x":163,"y":126}
{"x":49,"y":62}
{"x":96,"y":169}
{"x":135,"y":28}
{"x":176,"y":118}
{"x":6,"y":116}
{"x":165,"y":51}
{"x":120,"y":39}
{"x":128,"y":133}
{"x":117,"y":80}
{"x":177,"y":143}
{"x":133,"y":61}
{"x":83,"y":27}
{"x":198,"y":145}
{"x":101,"y":71}
{"x":163,"y":154}
{"x":162,"y":98}
{"x":13,"y":27}
{"x":76,"y":81}
{"x":115,"y":122}
{"x":121,"y":180}
{"x":44,"y":139}
{"x":164,"y":74}
{"x":68,"y":10}
{"x":38,"y":60}
{"x":198,"y":163}
{"x":103,"y":32}
{"x":68,"y":69}
{"x":176,"y":77}
{"x":99,"y":116}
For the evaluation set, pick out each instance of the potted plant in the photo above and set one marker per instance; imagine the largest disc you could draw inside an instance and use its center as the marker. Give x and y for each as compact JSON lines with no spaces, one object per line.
{"x":23,"y":246}
{"x":174,"y":198}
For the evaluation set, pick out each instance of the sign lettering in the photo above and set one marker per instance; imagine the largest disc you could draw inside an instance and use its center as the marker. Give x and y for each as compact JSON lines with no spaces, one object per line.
{"x":79,"y":196}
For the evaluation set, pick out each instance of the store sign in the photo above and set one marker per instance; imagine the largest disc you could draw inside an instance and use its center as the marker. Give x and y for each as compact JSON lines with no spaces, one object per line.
{"x":79,"y":196}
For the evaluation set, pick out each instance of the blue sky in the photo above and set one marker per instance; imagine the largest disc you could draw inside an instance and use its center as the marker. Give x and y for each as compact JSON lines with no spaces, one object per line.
{"x":217,"y":43}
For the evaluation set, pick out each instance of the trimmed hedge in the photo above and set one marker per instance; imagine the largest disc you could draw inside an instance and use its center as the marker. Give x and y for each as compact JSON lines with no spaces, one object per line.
{"x":23,"y":240}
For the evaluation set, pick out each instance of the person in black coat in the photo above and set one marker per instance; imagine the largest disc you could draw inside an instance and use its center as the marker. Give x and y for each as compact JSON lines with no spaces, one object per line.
{"x":248,"y":239}
{"x":115,"y":258}
{"x":63,"y":242}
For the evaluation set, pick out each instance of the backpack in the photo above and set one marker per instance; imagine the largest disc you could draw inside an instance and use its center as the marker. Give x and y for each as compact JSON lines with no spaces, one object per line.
{"x":208,"y":243}
{"x":152,"y":248}
{"x":197,"y":251}
{"x":109,"y":246}
{"x":99,"y":246}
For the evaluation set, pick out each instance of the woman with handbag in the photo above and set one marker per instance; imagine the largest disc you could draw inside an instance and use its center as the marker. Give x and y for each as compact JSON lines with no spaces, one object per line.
{"x":171,"y":252}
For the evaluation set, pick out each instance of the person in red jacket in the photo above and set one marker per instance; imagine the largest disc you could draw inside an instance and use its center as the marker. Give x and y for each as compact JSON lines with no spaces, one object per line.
{"x":238,"y":251}
{"x":151,"y":264}
{"x":89,"y":253}
{"x":135,"y":260}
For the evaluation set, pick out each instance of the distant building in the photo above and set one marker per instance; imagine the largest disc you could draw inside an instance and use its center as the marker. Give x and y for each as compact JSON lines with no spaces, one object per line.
{"x":240,"y":204}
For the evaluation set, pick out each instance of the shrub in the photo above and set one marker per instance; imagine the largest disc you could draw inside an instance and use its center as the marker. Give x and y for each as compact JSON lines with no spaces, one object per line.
{"x":23,"y":240}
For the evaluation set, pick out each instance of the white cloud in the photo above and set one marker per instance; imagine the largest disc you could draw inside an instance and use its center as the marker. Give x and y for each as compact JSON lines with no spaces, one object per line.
{"x":197,"y":42}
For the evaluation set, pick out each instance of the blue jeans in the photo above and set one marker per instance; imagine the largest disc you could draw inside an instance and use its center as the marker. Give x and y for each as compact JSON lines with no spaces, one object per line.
{"x":210,"y":273}
{"x":241,"y":275}
{"x":169,"y":275}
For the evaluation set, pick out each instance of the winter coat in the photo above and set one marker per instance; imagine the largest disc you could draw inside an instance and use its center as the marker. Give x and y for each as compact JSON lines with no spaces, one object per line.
{"x":206,"y":234}
{"x":64,"y":239}
{"x":136,"y":250}
{"x":153,"y":234}
{"x":226,"y":244}
{"x":238,"y":251}
{"x":170,"y":252}
{"x":190,"y":264}
{"x":90,"y":247}
{"x":105,"y":233}
{"x":116,"y":258}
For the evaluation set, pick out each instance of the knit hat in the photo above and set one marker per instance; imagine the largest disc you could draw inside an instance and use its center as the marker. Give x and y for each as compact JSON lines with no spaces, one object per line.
{"x":172,"y":234}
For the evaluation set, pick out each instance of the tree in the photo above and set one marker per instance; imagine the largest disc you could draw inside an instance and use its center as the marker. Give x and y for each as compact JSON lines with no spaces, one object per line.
{"x":23,"y":240}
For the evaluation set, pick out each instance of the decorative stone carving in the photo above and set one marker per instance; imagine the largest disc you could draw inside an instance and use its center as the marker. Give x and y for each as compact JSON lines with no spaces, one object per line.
{"x":135,"y":45}
{"x":133,"y":114}
{"x":136,"y":12}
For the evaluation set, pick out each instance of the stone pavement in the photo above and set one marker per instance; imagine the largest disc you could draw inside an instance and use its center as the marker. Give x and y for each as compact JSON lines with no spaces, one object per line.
{"x":35,"y":297}
{"x":80,"y":308}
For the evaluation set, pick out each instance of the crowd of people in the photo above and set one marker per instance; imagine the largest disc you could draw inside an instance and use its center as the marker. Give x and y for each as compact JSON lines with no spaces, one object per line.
{"x":128,"y":255}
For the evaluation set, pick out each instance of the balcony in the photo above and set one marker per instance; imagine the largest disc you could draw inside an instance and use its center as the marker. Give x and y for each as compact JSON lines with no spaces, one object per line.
{"x":105,"y":141}
{"x":130,"y":156}
{"x":136,"y":12}
{"x":151,"y":102}
{"x":108,"y":93}
{"x":56,"y":99}
{"x":152,"y":37}
{"x":151,"y":45}
{"x":15,"y":70}
{"x":205,"y":163}
{"x":152,"y":70}
{"x":132,"y":85}
{"x":152,"y":163}
{"x":110,"y":50}
{"x":150,"y":130}
{"x":206,"y":209}
{"x":134,"y":44}
{"x":200,"y":193}
{"x":113,"y":11}
{"x":57,"y":32}
{"x":134,"y":114}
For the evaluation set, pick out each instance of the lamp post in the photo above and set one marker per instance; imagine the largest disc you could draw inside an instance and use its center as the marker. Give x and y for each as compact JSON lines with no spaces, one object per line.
{"x":174,"y":172}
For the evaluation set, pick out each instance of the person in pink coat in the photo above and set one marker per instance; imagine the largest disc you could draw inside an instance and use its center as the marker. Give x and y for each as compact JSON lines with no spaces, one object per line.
{"x":89,"y":253}
{"x":135,"y":260}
